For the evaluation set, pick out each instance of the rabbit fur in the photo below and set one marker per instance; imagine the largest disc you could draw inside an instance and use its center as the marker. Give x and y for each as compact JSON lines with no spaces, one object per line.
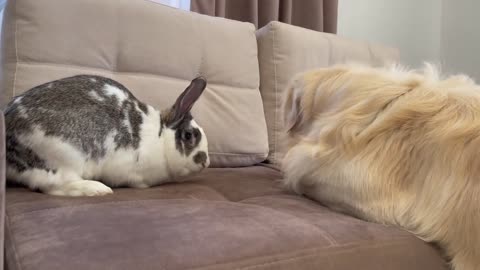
{"x":82,"y":135}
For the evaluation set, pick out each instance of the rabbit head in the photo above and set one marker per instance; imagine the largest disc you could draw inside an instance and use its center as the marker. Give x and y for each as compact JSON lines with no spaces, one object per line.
{"x":185,"y":141}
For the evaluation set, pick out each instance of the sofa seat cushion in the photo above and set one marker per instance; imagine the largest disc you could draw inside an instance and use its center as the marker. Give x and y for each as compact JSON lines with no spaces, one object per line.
{"x":228,"y":219}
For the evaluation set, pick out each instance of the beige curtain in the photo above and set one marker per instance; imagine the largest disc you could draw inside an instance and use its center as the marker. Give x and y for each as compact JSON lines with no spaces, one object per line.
{"x":319,"y":15}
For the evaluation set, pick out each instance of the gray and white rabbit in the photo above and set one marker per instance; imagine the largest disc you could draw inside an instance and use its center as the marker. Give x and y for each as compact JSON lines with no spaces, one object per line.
{"x":81,"y":135}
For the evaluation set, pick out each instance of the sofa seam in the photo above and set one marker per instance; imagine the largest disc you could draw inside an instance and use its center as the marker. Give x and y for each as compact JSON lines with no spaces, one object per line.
{"x":310,"y":252}
{"x":16,"y":52}
{"x":130,"y":73}
{"x":12,"y":243}
{"x":127,"y":201}
{"x":275,"y":126}
{"x":201,"y":65}
{"x":316,"y":252}
{"x":88,"y":205}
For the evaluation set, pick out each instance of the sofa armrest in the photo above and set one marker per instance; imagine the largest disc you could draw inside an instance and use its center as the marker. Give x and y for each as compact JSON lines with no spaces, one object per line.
{"x":2,"y":186}
{"x":285,"y":50}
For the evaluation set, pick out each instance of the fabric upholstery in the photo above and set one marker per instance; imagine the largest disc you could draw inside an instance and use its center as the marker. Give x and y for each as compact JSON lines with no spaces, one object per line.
{"x":285,"y":50}
{"x":2,"y":185}
{"x":236,"y":218}
{"x":152,"y":49}
{"x":318,"y":15}
{"x":2,"y":173}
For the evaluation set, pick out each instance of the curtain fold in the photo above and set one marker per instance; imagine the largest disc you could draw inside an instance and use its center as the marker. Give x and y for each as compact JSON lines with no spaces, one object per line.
{"x":319,"y":15}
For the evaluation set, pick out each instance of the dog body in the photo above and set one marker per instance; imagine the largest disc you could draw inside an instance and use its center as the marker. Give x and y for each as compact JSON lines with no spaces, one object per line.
{"x":390,"y":146}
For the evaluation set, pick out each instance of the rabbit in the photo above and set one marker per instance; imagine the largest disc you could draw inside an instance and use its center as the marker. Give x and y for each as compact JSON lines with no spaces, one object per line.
{"x":389,"y":145}
{"x":83,"y":135}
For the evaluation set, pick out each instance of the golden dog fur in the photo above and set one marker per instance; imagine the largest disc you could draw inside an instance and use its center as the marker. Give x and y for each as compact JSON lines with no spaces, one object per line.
{"x":391,"y":146}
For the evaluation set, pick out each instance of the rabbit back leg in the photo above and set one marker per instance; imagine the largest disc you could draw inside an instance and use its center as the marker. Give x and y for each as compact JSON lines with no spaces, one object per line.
{"x":59,"y":175}
{"x":62,"y":182}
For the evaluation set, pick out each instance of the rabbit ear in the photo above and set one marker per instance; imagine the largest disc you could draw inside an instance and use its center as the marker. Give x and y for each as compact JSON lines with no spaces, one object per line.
{"x":185,"y":101}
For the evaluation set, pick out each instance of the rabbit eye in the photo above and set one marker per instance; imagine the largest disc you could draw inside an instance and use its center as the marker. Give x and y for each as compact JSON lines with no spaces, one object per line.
{"x":187,"y":135}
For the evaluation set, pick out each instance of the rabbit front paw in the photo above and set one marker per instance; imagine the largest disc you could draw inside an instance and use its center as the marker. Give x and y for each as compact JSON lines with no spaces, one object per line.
{"x":81,"y":188}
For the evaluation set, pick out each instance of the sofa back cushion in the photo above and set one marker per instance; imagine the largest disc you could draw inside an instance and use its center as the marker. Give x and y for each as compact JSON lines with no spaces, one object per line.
{"x":285,"y":50}
{"x":155,"y":51}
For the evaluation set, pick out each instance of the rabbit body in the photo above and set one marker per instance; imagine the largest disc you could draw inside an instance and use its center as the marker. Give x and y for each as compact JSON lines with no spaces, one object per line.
{"x":82,"y":135}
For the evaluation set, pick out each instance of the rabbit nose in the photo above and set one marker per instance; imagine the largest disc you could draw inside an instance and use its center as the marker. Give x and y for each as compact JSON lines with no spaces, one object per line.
{"x":200,"y":158}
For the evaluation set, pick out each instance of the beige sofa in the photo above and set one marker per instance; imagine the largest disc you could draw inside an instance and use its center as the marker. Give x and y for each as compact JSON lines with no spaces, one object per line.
{"x":234,"y":215}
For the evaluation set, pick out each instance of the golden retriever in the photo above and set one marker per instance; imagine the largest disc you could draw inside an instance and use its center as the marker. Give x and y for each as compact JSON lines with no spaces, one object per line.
{"x":392,"y":146}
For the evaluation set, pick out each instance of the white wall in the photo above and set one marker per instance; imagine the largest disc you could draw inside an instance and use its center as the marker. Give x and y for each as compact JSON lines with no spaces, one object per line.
{"x":460,"y":39}
{"x":445,"y":32}
{"x":412,"y":26}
